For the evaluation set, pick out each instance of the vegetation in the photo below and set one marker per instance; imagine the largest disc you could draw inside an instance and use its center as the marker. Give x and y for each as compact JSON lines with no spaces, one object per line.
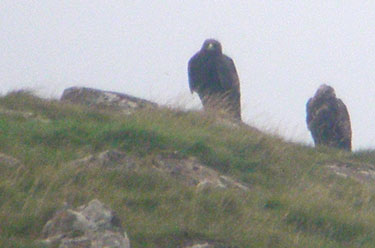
{"x":294,"y":200}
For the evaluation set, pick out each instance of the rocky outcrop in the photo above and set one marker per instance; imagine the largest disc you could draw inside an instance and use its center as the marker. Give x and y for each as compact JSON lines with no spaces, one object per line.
{"x":188,"y":171}
{"x":209,"y":244}
{"x":363,"y":173}
{"x":204,"y":245}
{"x":328,"y":119}
{"x":191,"y":172}
{"x":94,"y":225}
{"x":89,"y":226}
{"x":109,"y":160}
{"x":95,"y":97}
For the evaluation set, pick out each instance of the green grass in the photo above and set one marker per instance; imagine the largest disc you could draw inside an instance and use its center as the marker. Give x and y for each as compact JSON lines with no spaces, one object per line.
{"x":293,"y":200}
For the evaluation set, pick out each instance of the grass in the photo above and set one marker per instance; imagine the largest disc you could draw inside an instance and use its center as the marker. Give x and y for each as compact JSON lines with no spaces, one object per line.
{"x":294,"y":201}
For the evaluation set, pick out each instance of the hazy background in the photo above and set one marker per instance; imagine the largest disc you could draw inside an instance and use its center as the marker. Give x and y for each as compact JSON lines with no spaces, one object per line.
{"x":283,"y":51}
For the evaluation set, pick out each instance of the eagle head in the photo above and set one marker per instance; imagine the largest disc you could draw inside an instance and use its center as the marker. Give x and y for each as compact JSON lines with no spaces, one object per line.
{"x":325,"y":92}
{"x":212,"y":46}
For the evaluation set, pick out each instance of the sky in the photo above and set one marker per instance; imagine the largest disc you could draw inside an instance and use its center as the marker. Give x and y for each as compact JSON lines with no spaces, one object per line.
{"x":283,"y":51}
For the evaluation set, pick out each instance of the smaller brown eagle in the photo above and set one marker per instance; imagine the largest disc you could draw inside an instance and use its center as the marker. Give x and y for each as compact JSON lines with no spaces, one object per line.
{"x":328,"y":119}
{"x":214,"y":77}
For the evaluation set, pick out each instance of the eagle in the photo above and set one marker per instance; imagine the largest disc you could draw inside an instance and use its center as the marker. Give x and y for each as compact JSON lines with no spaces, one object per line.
{"x":214,"y":77}
{"x":328,"y":119}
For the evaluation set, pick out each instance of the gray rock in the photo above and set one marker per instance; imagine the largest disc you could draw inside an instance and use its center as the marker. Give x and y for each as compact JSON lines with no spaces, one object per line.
{"x":96,"y":97}
{"x":328,"y":119}
{"x":188,"y":171}
{"x":109,"y":160}
{"x":191,"y":172}
{"x":209,"y":244}
{"x":91,"y":226}
{"x":82,"y":242}
{"x":205,"y":245}
{"x":363,"y":173}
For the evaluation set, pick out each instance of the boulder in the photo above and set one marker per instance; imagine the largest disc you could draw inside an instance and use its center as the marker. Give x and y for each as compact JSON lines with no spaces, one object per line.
{"x":328,"y":119}
{"x":96,"y":97}
{"x":89,"y":226}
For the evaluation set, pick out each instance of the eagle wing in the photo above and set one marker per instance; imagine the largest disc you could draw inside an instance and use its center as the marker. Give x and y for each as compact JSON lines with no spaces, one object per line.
{"x":228,"y":74}
{"x":193,"y":73}
{"x":309,"y":112}
{"x":230,"y":82}
{"x":344,"y":117}
{"x":344,"y":123}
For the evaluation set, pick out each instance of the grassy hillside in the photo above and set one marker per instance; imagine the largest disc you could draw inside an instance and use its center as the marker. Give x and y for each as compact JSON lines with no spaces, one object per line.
{"x":294,"y":200}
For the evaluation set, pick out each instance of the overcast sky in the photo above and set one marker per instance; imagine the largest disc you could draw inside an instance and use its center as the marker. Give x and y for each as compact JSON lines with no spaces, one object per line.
{"x":283,"y":51}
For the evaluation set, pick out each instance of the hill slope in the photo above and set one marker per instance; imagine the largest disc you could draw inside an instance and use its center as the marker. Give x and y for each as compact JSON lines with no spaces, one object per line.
{"x":294,"y":200}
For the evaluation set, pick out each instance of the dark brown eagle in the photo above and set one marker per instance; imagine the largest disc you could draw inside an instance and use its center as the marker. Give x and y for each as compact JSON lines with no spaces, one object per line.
{"x":328,"y":119}
{"x":214,"y":77}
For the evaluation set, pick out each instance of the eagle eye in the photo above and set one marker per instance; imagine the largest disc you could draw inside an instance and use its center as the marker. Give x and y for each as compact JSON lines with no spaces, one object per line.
{"x":211,"y":46}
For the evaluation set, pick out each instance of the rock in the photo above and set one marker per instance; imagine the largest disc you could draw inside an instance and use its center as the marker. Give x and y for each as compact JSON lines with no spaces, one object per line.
{"x":188,"y":171}
{"x":363,"y":173}
{"x":95,"y":97}
{"x":92,"y":226}
{"x":328,"y":119}
{"x":205,"y":245}
{"x":209,"y":244}
{"x":78,"y":243}
{"x":110,"y":160}
{"x":191,"y":172}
